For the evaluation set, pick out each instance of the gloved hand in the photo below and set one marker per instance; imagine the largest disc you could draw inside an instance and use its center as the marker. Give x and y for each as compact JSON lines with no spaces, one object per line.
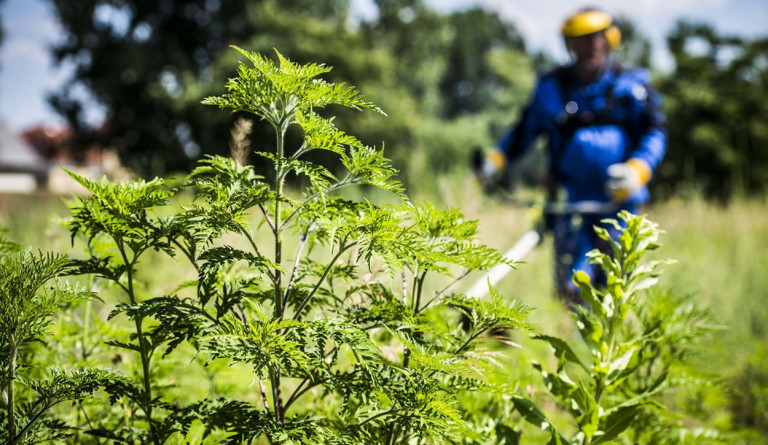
{"x":626,"y":178}
{"x":488,"y":167}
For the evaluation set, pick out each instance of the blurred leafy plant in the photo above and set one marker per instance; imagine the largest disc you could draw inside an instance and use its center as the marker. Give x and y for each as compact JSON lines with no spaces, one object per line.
{"x":635,"y":339}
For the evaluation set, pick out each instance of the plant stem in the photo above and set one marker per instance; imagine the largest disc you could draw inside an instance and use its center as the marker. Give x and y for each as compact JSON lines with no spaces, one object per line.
{"x":339,"y":185}
{"x":299,"y":249}
{"x":250,"y":239}
{"x":86,"y":317}
{"x":298,"y":392}
{"x":266,"y":216}
{"x":279,"y":174}
{"x":600,"y":384}
{"x":417,"y":297}
{"x":301,"y":391}
{"x":391,"y":440}
{"x":279,"y":177}
{"x":84,"y":341}
{"x":264,"y":395}
{"x":29,"y":424}
{"x":81,"y":408}
{"x":442,"y":291}
{"x":11,"y":376}
{"x":405,"y":287}
{"x":384,"y":413}
{"x":187,"y":252}
{"x":143,"y":348}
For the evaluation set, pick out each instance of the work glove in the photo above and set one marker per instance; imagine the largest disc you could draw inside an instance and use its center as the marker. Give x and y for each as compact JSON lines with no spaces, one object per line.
{"x":489,"y":167}
{"x":626,"y":178}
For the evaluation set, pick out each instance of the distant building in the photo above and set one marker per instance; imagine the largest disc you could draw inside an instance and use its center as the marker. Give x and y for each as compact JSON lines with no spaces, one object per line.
{"x":31,"y":161}
{"x":22,"y":170}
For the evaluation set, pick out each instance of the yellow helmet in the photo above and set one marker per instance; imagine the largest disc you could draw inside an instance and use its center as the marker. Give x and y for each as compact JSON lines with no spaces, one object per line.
{"x":589,"y":21}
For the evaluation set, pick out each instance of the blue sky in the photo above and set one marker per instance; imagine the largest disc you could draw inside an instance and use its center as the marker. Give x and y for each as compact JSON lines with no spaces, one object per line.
{"x":26,"y":71}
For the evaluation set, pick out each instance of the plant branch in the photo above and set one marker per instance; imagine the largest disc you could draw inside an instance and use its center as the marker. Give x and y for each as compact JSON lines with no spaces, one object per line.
{"x":443,"y":290}
{"x":342,"y":249}
{"x":300,"y":392}
{"x":405,"y":287}
{"x":299,"y":249}
{"x":251,"y":241}
{"x":419,"y":289}
{"x":264,"y":395}
{"x":339,"y":185}
{"x":14,"y":440}
{"x":187,"y":252}
{"x":267,"y":218}
{"x":381,"y":414}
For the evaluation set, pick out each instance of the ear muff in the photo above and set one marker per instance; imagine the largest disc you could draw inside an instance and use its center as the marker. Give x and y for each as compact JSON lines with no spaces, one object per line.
{"x":613,"y":35}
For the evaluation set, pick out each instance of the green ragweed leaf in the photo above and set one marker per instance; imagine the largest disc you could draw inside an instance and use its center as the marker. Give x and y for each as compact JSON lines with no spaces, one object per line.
{"x":30,"y":294}
{"x":276,"y":91}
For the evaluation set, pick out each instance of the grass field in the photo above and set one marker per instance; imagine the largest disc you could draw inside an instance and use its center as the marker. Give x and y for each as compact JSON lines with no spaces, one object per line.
{"x":721,"y":263}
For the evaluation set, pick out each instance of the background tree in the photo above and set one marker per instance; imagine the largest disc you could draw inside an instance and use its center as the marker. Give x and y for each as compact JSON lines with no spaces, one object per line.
{"x":449,"y":81}
{"x":470,"y":83}
{"x":635,"y":47}
{"x":2,"y":30}
{"x":148,"y":62}
{"x":455,"y":79}
{"x":717,"y":114}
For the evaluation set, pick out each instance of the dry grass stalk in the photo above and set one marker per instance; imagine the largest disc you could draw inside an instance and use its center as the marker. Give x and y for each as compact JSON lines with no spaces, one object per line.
{"x":239,"y":143}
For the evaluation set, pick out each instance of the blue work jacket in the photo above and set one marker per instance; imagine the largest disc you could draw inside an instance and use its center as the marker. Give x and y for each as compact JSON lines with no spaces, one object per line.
{"x":590,"y":127}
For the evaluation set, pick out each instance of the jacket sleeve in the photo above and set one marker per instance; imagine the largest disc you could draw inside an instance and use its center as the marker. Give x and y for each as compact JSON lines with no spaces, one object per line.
{"x":652,"y":138}
{"x":521,"y":136}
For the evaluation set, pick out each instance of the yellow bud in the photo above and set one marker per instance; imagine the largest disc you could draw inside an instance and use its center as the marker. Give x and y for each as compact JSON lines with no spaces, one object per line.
{"x":581,"y":277}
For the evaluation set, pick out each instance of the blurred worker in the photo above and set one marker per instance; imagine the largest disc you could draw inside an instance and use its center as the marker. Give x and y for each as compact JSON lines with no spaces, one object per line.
{"x":606,"y":137}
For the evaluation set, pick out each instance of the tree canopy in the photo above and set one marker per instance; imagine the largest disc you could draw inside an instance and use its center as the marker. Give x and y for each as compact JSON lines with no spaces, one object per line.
{"x":448,"y":81}
{"x":718,"y":117}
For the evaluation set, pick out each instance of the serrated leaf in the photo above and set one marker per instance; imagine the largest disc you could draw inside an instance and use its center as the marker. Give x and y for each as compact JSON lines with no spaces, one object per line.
{"x":532,"y":414}
{"x":616,"y":422}
{"x":562,"y":349}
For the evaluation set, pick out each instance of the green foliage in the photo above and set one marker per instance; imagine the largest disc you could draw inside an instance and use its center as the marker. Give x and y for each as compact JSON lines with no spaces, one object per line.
{"x":327,"y":328}
{"x":6,"y":245}
{"x":635,"y":340}
{"x":29,"y":297}
{"x":119,"y":229}
{"x":714,"y":108}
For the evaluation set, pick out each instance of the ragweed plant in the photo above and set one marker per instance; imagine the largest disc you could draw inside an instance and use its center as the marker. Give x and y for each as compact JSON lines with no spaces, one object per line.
{"x":30,"y":295}
{"x":636,"y":338}
{"x":350,"y":335}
